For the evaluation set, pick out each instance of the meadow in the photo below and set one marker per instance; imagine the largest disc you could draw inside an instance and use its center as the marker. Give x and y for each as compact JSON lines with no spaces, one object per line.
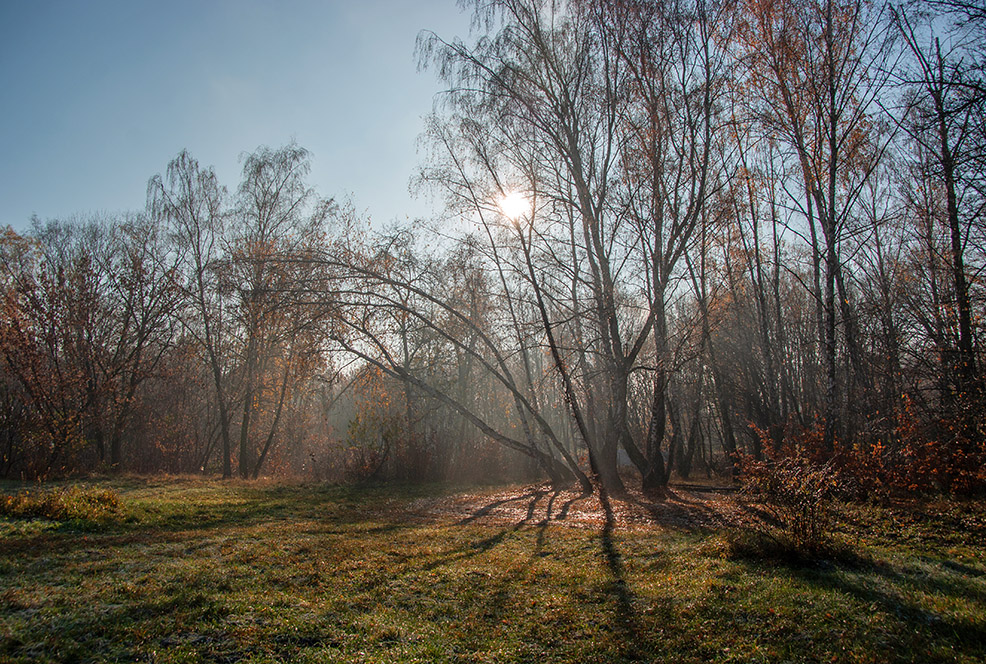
{"x":199,"y":570}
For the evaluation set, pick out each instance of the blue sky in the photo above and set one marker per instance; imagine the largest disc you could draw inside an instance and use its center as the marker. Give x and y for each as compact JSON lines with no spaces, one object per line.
{"x":97,"y":96}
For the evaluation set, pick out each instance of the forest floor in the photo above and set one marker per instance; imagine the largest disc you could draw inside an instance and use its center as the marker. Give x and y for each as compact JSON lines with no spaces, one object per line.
{"x":686,"y":507}
{"x":195,"y":570}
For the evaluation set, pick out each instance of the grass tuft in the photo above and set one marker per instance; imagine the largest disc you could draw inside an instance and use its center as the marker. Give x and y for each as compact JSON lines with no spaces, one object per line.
{"x":93,"y":505}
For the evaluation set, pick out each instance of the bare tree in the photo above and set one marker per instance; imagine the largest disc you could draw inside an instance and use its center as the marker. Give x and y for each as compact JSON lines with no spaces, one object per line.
{"x":273,"y":237}
{"x":192,"y":203}
{"x":946,"y":120}
{"x":816,"y":67}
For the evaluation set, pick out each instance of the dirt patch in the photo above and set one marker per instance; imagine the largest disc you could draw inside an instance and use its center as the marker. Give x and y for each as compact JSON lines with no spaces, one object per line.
{"x":680,"y":508}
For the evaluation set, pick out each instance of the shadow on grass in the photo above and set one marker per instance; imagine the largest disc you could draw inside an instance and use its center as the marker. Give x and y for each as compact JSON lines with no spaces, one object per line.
{"x":632,"y":643}
{"x":683,"y":511}
{"x":895,"y":589}
{"x":352,"y":561}
{"x":174,"y":517}
{"x":969,"y":635}
{"x":625,"y":621}
{"x":490,"y":507}
{"x":961,"y":569}
{"x":148,"y":589}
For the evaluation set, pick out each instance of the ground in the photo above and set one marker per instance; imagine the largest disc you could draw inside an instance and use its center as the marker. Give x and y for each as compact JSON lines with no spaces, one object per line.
{"x":684,"y":507}
{"x":193,"y":570}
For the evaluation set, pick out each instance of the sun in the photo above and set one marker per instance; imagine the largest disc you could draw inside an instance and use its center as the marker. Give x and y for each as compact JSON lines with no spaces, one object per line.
{"x":515,"y":205}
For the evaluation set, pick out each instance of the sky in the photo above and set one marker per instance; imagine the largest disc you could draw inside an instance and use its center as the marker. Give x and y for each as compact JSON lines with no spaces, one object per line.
{"x":98,"y":96}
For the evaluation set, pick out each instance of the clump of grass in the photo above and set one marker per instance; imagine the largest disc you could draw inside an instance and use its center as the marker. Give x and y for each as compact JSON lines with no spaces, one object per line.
{"x":65,"y":504}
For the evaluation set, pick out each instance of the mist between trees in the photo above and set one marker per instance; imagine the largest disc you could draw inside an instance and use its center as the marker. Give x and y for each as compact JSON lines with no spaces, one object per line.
{"x":675,"y":235}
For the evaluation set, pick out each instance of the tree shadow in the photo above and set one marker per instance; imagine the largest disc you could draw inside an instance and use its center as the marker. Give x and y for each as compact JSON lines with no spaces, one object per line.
{"x":625,"y":619}
{"x":961,"y":569}
{"x":567,"y":505}
{"x":895,"y":588}
{"x":535,"y":496}
{"x":901,"y":603}
{"x":679,"y":510}
{"x":542,"y":525}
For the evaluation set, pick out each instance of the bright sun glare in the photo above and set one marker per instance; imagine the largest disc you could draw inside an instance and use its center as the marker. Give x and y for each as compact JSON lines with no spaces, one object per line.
{"x":514,"y":205}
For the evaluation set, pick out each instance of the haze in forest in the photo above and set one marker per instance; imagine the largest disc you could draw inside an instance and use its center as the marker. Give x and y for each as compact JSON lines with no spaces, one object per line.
{"x":670,"y":240}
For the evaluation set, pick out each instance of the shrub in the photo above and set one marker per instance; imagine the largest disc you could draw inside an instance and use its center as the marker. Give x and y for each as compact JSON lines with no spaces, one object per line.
{"x":924,"y":453}
{"x":798,"y":494}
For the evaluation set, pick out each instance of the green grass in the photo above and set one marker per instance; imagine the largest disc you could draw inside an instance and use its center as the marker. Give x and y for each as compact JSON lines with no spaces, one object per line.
{"x":204,"y":571}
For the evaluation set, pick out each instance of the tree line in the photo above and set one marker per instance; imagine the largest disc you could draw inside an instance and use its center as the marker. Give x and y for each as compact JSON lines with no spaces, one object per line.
{"x":677,"y":234}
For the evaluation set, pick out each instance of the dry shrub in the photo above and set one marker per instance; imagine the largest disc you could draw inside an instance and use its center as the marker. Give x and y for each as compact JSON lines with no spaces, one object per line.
{"x":924,"y":453}
{"x":798,"y":494}
{"x":917,"y":451}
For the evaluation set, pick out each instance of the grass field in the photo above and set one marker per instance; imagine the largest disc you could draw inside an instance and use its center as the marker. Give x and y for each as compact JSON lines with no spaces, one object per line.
{"x":188,"y":570}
